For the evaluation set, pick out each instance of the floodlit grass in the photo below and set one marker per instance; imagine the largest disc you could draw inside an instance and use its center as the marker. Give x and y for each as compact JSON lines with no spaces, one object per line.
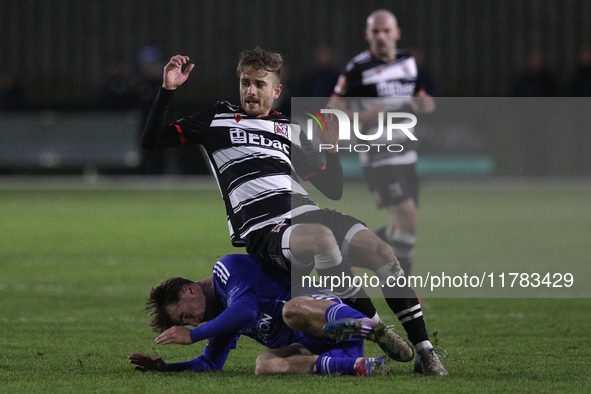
{"x":76,"y":267}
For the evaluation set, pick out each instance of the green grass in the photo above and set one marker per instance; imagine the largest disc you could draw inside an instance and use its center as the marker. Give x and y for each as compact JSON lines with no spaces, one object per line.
{"x":76,"y":266}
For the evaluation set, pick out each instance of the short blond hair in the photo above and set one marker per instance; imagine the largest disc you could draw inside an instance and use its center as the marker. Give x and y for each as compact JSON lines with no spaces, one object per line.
{"x":259,"y":59}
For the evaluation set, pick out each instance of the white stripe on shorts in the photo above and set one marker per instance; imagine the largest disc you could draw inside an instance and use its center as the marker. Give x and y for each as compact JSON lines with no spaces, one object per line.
{"x":350,"y":234}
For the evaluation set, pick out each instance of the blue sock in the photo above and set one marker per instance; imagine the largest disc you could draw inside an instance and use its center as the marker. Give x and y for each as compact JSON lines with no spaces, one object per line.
{"x":341,"y":311}
{"x":326,"y":365}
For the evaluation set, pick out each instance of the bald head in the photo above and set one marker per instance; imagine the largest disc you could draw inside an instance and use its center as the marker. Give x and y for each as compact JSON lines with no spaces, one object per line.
{"x":382,"y":15}
{"x":381,"y":33}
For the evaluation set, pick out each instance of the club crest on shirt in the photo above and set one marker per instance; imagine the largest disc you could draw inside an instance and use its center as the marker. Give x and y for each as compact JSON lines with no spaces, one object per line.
{"x":282,"y":129}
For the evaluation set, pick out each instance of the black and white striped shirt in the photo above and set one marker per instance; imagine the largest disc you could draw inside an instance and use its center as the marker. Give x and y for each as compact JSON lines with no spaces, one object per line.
{"x":392,"y":85}
{"x":256,"y":161}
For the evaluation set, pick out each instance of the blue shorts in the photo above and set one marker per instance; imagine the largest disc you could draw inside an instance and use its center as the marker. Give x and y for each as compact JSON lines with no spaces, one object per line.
{"x":350,"y":348}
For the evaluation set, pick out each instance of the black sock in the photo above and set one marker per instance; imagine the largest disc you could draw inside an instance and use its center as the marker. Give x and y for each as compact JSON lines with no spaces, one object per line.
{"x":346,"y":288}
{"x":353,"y":296}
{"x":404,"y":303}
{"x":409,"y":313}
{"x":362,"y":304}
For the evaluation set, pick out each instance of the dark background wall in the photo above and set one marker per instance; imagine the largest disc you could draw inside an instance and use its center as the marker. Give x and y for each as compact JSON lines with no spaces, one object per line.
{"x":62,"y":54}
{"x":60,"y":48}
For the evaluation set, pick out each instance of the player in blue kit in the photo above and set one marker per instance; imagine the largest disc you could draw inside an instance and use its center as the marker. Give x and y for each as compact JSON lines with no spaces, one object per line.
{"x":246,"y":297}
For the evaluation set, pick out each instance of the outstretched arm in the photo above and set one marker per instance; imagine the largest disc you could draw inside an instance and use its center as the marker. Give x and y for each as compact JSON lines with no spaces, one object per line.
{"x":213,"y":358}
{"x":156,"y":134}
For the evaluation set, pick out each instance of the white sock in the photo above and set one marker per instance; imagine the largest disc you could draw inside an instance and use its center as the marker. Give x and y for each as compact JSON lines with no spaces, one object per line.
{"x":402,"y":236}
{"x":392,"y":269}
{"x":329,"y":259}
{"x":425,"y":345}
{"x":376,"y":318}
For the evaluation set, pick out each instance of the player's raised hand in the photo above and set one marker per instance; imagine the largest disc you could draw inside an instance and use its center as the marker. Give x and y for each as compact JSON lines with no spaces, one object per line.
{"x":174,"y":76}
{"x":177,"y":334}
{"x":146,"y":362}
{"x":423,"y":103}
{"x":331,"y":134}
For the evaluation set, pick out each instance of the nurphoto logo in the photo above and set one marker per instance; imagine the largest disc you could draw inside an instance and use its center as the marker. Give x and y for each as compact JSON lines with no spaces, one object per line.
{"x":408,"y":122}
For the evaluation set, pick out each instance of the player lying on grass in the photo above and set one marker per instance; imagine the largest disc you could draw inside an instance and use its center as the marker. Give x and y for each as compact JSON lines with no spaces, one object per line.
{"x":309,"y":334}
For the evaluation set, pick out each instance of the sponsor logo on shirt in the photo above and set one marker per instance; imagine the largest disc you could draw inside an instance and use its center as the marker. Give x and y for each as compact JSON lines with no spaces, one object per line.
{"x":395,"y":88}
{"x":264,"y":327}
{"x":242,"y":137}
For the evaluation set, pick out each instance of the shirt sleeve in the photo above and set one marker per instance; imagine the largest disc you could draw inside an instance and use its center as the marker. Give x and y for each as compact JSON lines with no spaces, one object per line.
{"x":237,"y":316}
{"x":237,"y":276}
{"x":328,"y":178}
{"x":157,"y":134}
{"x":348,"y":82}
{"x":213,"y":358}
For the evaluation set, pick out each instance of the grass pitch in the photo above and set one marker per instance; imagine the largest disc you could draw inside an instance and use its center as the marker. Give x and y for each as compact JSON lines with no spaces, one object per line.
{"x":76,"y":267}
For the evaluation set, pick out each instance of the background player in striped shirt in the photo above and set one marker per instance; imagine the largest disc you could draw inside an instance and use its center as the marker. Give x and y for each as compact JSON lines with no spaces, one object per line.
{"x":382,"y":79}
{"x":246,"y":297}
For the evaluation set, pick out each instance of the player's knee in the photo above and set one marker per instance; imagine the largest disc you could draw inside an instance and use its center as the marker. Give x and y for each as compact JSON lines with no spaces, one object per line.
{"x":407,"y":218}
{"x":261,"y":366}
{"x":383,"y":252}
{"x":291,"y":310}
{"x":410,"y":223}
{"x":320,"y":238}
{"x":324,"y":238}
{"x":270,"y":365}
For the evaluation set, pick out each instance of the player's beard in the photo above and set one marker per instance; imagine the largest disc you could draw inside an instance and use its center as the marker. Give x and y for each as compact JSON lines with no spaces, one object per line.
{"x":252,"y":107}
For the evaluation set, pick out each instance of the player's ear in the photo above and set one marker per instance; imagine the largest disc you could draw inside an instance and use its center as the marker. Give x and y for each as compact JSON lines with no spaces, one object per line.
{"x":187,"y":289}
{"x":397,"y":34}
{"x":277,"y":90}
